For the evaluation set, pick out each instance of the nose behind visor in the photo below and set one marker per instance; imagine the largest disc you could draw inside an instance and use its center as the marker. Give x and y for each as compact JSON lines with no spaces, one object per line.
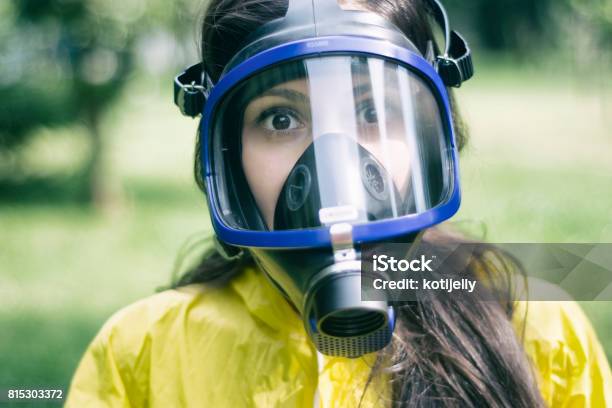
{"x":322,"y":187}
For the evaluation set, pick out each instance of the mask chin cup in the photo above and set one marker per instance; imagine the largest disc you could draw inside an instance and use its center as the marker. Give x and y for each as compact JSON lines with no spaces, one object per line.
{"x":340,"y":323}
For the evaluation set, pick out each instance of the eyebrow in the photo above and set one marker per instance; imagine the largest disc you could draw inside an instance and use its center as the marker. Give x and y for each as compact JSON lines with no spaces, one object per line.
{"x":289,"y":94}
{"x":359,"y":90}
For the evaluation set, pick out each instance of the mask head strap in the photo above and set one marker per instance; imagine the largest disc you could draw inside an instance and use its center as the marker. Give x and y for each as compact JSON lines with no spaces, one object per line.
{"x":455,"y":65}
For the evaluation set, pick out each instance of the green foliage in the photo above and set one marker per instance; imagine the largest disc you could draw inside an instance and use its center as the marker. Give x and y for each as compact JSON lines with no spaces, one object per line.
{"x":505,"y":25}
{"x":598,"y":15}
{"x":526,"y":27}
{"x":68,"y":60}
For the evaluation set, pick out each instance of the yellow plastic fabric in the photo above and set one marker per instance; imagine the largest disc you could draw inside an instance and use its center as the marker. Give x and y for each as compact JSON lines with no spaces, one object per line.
{"x":243,"y":346}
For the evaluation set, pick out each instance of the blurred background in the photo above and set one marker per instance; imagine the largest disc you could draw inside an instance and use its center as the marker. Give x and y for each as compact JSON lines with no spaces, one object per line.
{"x":97,"y":197}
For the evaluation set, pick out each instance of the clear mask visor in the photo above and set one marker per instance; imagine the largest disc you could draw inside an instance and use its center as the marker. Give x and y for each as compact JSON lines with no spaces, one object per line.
{"x":329,"y":139}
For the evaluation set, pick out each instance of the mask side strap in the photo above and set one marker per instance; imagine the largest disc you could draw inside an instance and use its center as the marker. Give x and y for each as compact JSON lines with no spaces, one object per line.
{"x":455,"y":66}
{"x":191,"y":90}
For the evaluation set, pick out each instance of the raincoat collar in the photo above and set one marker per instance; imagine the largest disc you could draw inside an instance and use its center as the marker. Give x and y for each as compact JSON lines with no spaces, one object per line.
{"x":264,"y":301}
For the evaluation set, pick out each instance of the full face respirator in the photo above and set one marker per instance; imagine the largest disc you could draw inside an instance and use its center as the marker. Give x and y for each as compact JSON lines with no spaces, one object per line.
{"x":328,"y":130}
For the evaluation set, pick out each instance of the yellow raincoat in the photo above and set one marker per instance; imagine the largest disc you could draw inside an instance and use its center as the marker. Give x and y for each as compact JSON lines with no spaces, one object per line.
{"x":243,"y":346}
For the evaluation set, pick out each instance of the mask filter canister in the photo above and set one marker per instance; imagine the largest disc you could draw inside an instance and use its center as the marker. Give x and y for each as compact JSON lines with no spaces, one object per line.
{"x":338,"y":321}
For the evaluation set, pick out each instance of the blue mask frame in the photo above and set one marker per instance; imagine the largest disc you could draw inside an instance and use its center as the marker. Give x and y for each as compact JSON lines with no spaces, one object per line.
{"x":320,"y":237}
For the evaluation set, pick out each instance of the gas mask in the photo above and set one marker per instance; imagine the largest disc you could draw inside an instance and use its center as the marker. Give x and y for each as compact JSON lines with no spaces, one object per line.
{"x":328,"y":130}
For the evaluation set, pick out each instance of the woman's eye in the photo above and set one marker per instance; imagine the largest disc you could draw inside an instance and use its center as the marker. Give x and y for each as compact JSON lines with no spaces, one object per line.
{"x":281,"y":120}
{"x":368,"y":115}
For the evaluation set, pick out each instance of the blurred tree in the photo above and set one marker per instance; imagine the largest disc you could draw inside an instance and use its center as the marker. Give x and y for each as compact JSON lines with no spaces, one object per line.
{"x":506,"y":25}
{"x":599,"y":14}
{"x":68,"y":60}
{"x":521,"y":27}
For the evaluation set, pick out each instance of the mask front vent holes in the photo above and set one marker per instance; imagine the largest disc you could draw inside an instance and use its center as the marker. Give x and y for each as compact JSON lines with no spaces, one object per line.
{"x":372,"y":177}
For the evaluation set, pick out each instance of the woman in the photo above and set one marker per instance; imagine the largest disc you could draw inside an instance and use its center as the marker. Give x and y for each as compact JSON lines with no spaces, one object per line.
{"x":329,"y":128}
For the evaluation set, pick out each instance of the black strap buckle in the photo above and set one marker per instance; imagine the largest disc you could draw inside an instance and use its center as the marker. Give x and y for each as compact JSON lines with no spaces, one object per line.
{"x":191,"y":89}
{"x":455,"y":66}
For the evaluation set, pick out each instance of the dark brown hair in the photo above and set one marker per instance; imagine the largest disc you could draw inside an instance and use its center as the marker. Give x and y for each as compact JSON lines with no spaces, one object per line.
{"x":446,"y":351}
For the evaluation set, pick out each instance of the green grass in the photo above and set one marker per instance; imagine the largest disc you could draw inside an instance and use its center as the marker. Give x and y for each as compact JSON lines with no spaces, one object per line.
{"x":538,"y":169}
